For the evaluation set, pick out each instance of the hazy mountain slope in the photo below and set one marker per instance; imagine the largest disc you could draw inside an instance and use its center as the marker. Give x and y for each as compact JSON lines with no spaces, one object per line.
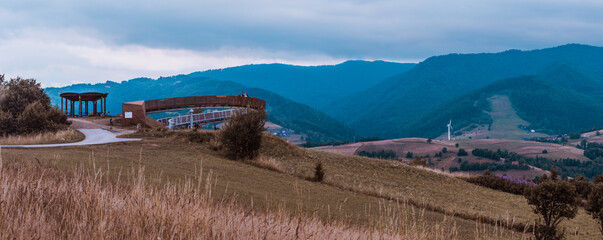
{"x":315,"y":86}
{"x":383,"y":109}
{"x":318,"y":126}
{"x":544,"y":101}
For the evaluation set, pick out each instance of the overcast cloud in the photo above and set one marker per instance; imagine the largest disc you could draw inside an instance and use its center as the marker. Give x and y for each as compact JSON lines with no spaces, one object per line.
{"x":70,"y":41}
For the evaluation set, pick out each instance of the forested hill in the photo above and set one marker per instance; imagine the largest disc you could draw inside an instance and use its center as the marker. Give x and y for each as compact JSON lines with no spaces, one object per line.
{"x":560,"y":100}
{"x":318,"y":126}
{"x":315,"y":86}
{"x":385,"y":108}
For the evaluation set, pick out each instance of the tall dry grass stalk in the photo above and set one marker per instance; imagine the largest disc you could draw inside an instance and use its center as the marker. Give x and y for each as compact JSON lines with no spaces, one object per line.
{"x":61,"y":136}
{"x":39,"y":202}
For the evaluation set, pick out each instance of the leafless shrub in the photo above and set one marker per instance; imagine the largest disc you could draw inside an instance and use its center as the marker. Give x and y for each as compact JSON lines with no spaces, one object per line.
{"x":241,"y":136}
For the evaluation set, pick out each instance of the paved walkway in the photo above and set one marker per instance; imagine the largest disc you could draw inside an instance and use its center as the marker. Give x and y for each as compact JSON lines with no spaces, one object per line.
{"x":94,"y":136}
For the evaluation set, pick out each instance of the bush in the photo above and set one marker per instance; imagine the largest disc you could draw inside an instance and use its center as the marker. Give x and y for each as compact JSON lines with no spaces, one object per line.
{"x":409,"y":155}
{"x":444,"y":150}
{"x":319,"y":172}
{"x":462,"y":152}
{"x":553,"y":201}
{"x":545,"y":151}
{"x":582,"y":185}
{"x":594,"y":206}
{"x":241,"y":136}
{"x":7,"y":125}
{"x":33,"y":119}
{"x":456,"y":145}
{"x":25,"y":108}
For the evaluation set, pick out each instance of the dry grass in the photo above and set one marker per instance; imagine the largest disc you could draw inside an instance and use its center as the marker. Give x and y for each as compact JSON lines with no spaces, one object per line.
{"x":39,"y":202}
{"x":169,"y":155}
{"x":355,"y":186}
{"x":61,"y":136}
{"x":268,"y":163}
{"x":440,"y":193}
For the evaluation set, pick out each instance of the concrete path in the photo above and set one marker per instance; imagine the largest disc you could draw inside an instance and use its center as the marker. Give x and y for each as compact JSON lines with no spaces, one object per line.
{"x":94,"y":136}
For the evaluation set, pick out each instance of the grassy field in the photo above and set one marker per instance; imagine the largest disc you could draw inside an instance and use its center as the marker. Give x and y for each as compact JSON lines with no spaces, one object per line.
{"x":357,"y":191}
{"x":41,"y":202}
{"x":420,"y":147}
{"x":62,"y":136}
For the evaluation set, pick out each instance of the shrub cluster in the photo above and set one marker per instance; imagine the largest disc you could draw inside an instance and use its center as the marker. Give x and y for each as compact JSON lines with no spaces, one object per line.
{"x":25,"y":108}
{"x":502,"y":183}
{"x":466,"y":166}
{"x":462,"y":152}
{"x":594,"y":207}
{"x":478,"y":152}
{"x":569,"y":167}
{"x":389,"y":154}
{"x":593,"y":150}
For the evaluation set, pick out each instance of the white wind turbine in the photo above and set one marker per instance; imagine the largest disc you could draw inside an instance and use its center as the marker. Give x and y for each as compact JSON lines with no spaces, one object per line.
{"x":449,"y":129}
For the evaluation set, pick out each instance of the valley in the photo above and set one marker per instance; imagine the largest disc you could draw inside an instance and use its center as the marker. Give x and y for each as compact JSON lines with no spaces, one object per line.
{"x":403,"y":179}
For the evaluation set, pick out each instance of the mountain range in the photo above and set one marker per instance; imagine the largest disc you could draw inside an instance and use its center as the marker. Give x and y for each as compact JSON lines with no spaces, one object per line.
{"x":314,"y":86}
{"x":557,"y":89}
{"x":385,"y":109}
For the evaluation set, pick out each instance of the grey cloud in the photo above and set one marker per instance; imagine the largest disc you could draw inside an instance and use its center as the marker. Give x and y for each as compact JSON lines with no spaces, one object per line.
{"x":342,"y":29}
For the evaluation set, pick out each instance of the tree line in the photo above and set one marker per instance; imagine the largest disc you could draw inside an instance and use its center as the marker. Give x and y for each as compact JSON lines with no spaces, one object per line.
{"x":383,"y":154}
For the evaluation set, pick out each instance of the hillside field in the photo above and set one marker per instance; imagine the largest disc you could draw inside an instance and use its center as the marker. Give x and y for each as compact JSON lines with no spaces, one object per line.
{"x":356,"y":190}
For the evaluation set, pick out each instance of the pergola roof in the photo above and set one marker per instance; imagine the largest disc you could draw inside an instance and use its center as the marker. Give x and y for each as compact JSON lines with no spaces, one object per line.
{"x":89,"y":96}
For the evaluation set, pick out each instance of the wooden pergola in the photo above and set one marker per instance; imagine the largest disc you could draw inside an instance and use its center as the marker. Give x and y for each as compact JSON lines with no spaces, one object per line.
{"x":83,"y":99}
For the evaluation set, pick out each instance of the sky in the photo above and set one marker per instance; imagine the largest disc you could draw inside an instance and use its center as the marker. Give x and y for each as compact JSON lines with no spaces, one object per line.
{"x":62,"y":42}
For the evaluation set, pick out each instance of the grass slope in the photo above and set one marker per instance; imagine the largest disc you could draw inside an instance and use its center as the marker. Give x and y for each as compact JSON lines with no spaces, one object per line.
{"x":505,"y":119}
{"x":356,"y":189}
{"x":315,"y":124}
{"x":382,"y":110}
{"x":41,"y":202}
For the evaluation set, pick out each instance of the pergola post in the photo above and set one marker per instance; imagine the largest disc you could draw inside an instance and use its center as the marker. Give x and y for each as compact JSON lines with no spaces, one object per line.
{"x":62,"y":105}
{"x":94,"y":107}
{"x":72,"y":108}
{"x":105,"y":109}
{"x":86,"y":104}
{"x":80,"y":108}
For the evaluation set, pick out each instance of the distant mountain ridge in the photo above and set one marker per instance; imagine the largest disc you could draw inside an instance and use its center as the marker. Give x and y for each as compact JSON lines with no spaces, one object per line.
{"x":385,"y":108}
{"x":315,"y":86}
{"x":542,"y":100}
{"x":318,"y":126}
